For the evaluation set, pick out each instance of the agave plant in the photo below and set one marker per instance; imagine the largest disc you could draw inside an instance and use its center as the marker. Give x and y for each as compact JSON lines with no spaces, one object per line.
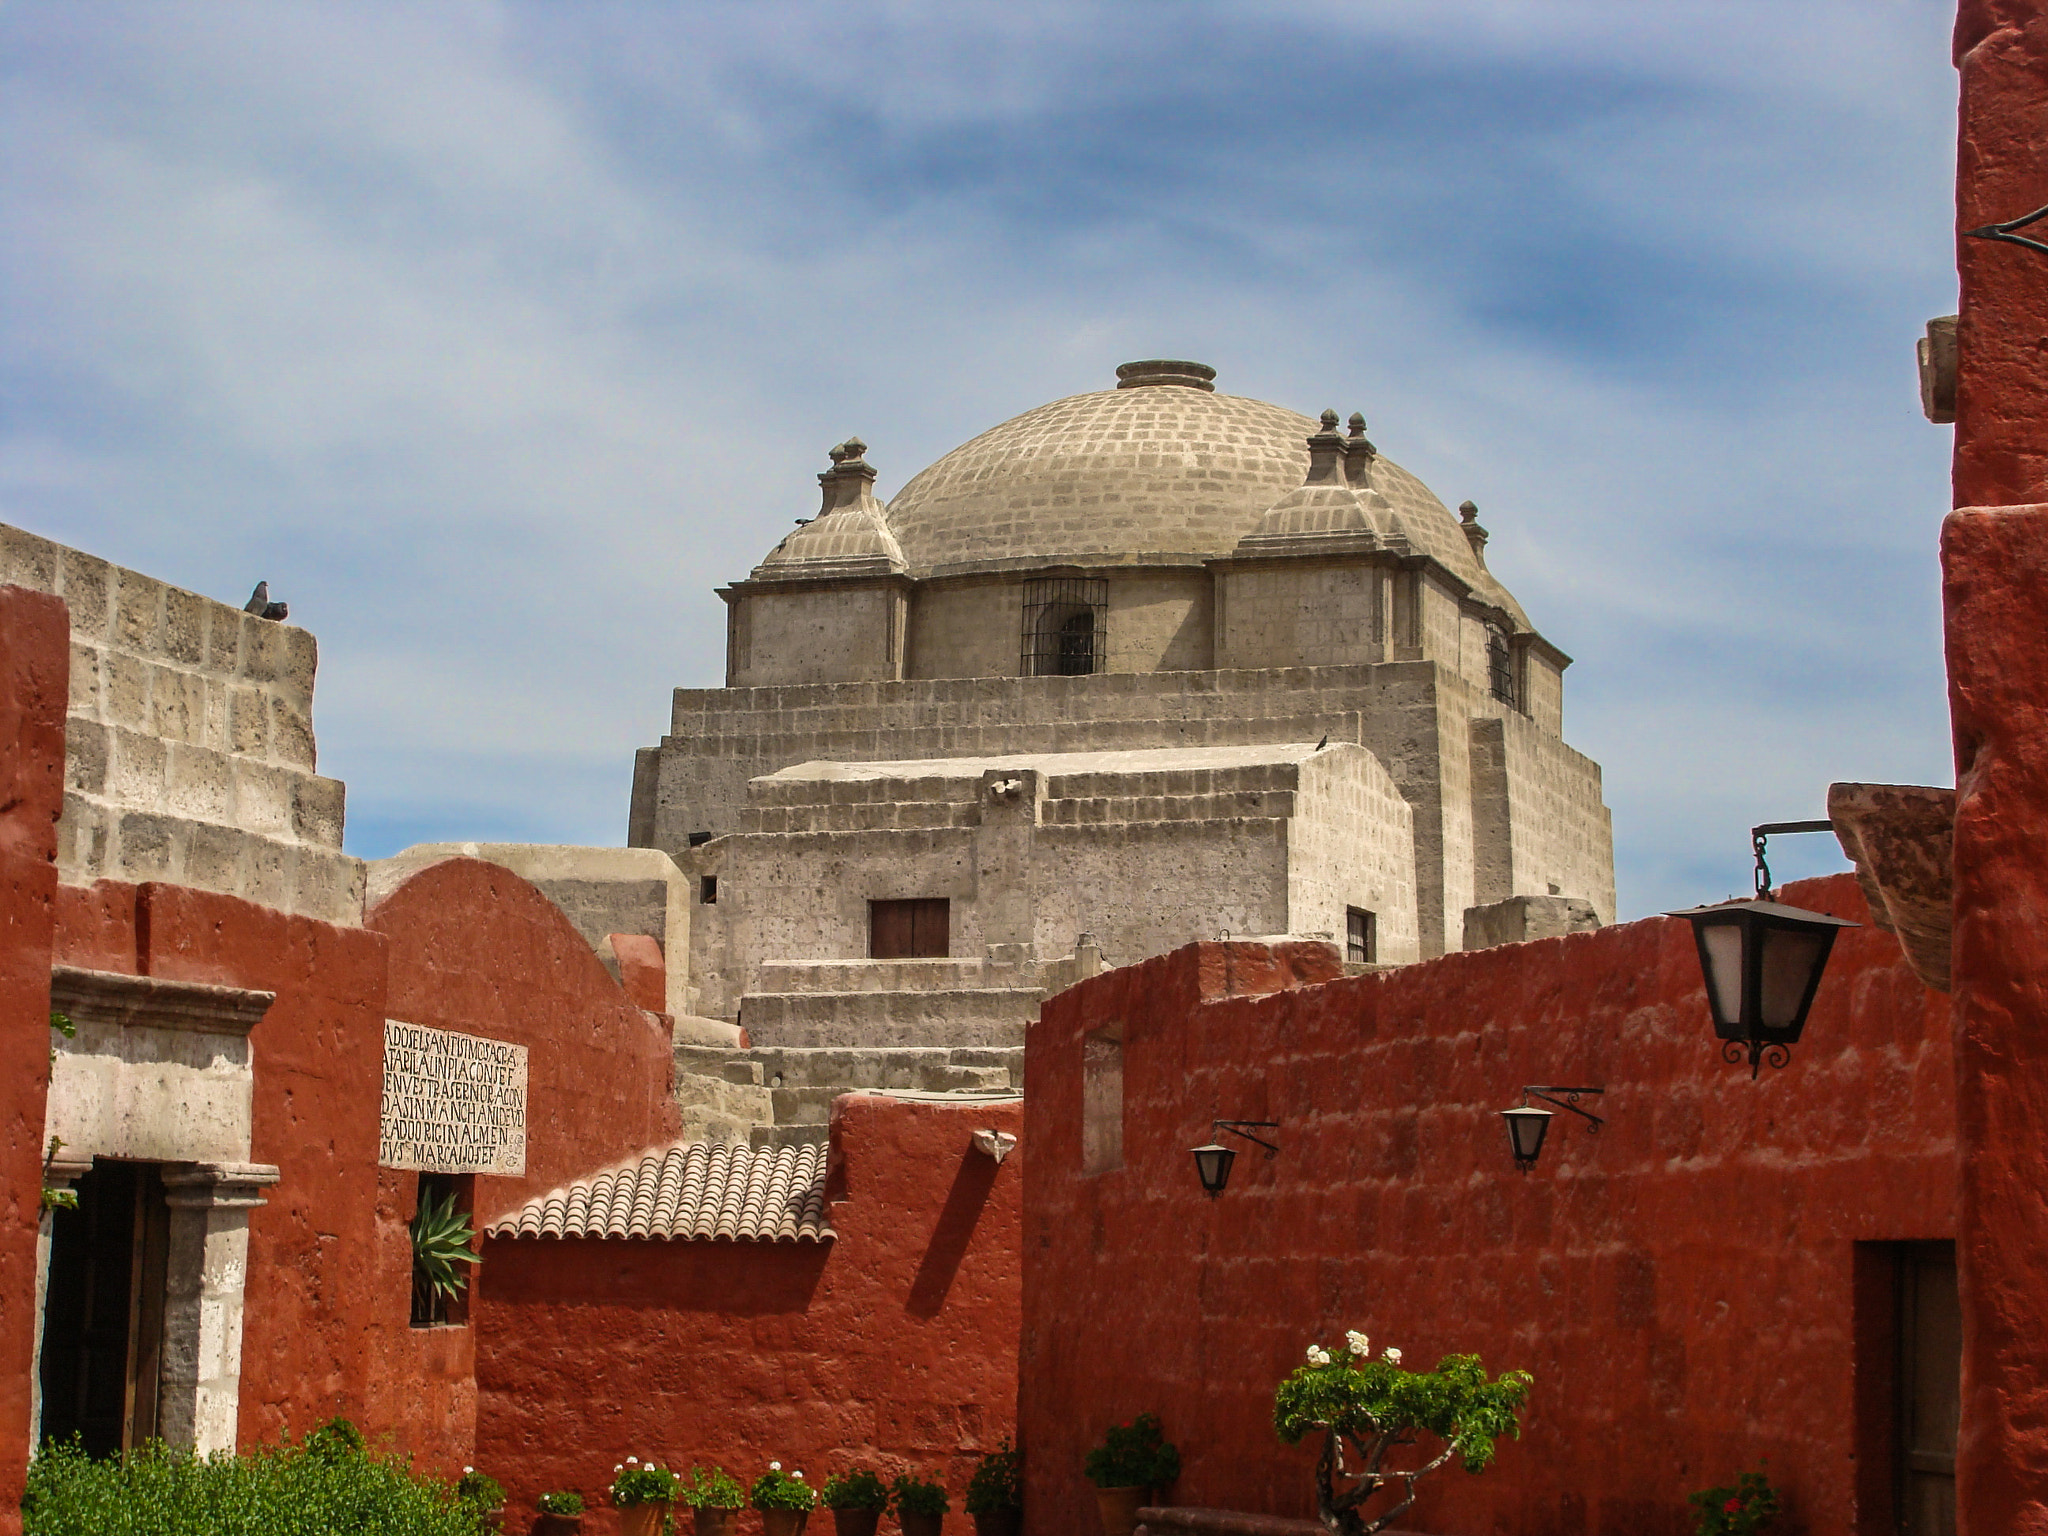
{"x":440,"y":1240}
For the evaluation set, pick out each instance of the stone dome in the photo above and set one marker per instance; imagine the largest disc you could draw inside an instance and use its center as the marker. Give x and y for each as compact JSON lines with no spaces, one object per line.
{"x":1160,"y":470}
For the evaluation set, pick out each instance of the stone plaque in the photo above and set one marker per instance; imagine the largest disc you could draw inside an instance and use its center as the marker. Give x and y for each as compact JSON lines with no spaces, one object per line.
{"x":452,"y":1103}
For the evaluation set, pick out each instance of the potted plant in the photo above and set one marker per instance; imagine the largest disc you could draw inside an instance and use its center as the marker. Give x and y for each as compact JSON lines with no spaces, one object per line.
{"x":920,"y":1506}
{"x":1132,"y":1461}
{"x":856,"y":1499}
{"x":995,"y":1494}
{"x":785,"y":1501}
{"x":643,"y":1494}
{"x":1739,"y":1511}
{"x":717,"y":1498}
{"x":561,"y":1514}
{"x":1375,"y":1410}
{"x":482,"y":1495}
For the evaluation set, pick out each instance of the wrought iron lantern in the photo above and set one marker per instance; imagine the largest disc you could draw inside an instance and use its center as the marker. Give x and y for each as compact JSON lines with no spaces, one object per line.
{"x":1527,"y":1125}
{"x":1212,"y":1162}
{"x":1762,"y":961}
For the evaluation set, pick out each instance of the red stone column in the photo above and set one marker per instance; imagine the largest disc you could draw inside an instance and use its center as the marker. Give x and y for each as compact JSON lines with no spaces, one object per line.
{"x":1995,"y":573}
{"x":35,"y":659}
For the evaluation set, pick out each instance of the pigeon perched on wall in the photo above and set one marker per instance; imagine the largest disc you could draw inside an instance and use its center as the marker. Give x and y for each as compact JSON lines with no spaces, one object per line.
{"x":260,"y":604}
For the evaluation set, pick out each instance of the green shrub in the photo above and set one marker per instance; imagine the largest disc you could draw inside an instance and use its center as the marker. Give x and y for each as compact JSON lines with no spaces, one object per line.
{"x":634,"y":1484}
{"x":1747,"y":1507}
{"x":1133,"y":1455}
{"x":858,"y":1489}
{"x":716,"y":1489}
{"x":479,"y":1491}
{"x":561,"y":1502}
{"x":774,"y":1489}
{"x":998,"y":1483}
{"x":324,"y":1485}
{"x":915,"y":1496}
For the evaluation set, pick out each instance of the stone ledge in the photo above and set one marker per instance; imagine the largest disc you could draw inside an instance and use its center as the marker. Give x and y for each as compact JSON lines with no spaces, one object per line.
{"x":120,"y":1001}
{"x":1196,"y":1521}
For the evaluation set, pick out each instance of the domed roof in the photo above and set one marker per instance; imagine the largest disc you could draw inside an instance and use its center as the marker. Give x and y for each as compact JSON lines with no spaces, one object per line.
{"x":1159,"y":470}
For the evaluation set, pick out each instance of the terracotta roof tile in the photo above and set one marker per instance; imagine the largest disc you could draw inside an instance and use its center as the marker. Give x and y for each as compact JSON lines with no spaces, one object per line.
{"x":687,"y":1191}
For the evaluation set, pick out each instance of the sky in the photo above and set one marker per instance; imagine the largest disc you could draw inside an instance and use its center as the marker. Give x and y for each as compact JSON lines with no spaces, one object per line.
{"x":495,"y":336}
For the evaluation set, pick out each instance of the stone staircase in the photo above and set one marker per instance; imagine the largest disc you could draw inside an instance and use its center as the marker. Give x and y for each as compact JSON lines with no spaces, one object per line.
{"x":776,"y":1095}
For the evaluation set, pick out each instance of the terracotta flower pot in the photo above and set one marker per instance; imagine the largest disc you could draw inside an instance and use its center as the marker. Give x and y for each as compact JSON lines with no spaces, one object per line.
{"x":856,"y":1522}
{"x":718,"y":1522}
{"x":999,"y":1522}
{"x":784,"y":1522}
{"x":643,"y":1519}
{"x":1119,"y":1507}
{"x":558,"y":1525}
{"x":919,"y":1525}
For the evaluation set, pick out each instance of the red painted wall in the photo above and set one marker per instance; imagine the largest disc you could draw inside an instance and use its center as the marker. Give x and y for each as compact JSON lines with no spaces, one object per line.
{"x":1996,"y":592}
{"x":1683,"y":1284}
{"x":35,"y":657}
{"x":894,"y":1345}
{"x":463,"y":945}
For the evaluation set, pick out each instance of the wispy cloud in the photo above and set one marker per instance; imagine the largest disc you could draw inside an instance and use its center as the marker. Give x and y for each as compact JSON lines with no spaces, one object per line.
{"x":496,"y":335}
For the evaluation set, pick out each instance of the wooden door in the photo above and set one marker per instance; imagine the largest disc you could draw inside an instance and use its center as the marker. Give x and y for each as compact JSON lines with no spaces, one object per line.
{"x":910,"y":930}
{"x":1930,"y":1388}
{"x":103,"y":1315}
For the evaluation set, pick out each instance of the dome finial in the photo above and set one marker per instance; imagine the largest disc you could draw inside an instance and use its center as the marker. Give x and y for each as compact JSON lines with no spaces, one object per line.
{"x":1358,"y":453}
{"x":1468,"y":522}
{"x":1325,"y":452}
{"x":849,"y":477}
{"x":1166,"y":370}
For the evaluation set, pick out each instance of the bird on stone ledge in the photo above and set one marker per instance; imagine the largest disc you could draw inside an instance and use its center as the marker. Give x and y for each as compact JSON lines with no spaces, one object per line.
{"x":260,"y":604}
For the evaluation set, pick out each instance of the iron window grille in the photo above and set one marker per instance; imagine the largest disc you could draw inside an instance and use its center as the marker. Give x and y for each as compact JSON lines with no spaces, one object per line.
{"x":1500,"y":665}
{"x":1065,"y":626}
{"x":1361,"y":936}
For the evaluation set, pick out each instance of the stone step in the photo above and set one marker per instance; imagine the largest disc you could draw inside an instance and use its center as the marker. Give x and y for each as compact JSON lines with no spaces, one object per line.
{"x":964,"y":1016}
{"x":862,"y":816}
{"x":1079,"y":811}
{"x":766,"y":1138}
{"x":812,"y":1104}
{"x":844,"y":1069}
{"x":715,"y":1108}
{"x":948,"y":975}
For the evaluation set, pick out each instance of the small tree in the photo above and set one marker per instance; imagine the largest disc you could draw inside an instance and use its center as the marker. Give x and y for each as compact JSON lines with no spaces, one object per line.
{"x":1374,"y":1409}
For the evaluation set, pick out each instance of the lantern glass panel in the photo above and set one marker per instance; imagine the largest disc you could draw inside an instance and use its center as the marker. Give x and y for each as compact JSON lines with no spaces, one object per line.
{"x":1723,"y":944}
{"x":1526,"y":1130}
{"x":1212,"y":1165}
{"x":1790,"y":958}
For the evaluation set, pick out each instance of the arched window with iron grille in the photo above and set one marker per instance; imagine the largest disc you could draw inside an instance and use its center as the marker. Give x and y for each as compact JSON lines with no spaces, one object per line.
{"x":1065,"y":628}
{"x":1500,"y":665}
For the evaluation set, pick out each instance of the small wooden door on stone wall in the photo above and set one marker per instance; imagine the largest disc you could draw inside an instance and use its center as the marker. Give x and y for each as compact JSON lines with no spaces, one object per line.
{"x":103,"y":1319}
{"x":1930,"y":1388}
{"x":910,"y":930}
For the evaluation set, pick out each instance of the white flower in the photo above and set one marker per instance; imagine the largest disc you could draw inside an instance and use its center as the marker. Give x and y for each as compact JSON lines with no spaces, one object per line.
{"x":632,"y":1461}
{"x":798,"y":1476}
{"x":1317,"y":1355}
{"x":1393,"y":1357}
{"x":1359,"y":1344}
{"x":618,"y":1468}
{"x":774,"y":1466}
{"x":469,"y":1471}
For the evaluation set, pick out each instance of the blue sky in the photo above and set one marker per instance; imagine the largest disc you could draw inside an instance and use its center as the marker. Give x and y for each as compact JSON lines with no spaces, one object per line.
{"x":496,"y":335}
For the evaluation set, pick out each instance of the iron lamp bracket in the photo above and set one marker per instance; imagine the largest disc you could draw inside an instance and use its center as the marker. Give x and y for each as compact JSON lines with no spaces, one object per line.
{"x":1238,"y":1128}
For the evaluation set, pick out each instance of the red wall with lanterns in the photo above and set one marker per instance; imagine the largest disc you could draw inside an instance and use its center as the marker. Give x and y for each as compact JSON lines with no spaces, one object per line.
{"x":1684,"y":1284}
{"x":895,"y":1345}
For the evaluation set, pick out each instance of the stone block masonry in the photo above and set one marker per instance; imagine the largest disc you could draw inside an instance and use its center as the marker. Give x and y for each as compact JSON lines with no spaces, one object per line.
{"x":189,"y":750}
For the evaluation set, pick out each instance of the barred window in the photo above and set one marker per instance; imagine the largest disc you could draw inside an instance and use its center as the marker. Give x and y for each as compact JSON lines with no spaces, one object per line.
{"x":1361,"y":936}
{"x":1064,"y":626}
{"x":1500,"y":665}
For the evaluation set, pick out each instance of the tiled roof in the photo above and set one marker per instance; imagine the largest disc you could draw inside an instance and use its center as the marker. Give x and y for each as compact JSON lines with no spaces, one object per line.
{"x":689,"y":1190}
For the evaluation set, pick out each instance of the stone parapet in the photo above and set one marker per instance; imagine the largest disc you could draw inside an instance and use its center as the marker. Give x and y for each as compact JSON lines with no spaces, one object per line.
{"x":977,"y":1016}
{"x":189,"y":747}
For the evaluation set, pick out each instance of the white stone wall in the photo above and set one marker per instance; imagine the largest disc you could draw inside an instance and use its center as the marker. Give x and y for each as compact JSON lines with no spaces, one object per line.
{"x":830,"y":634}
{"x":1160,"y":621}
{"x":189,"y":751}
{"x":1352,"y":844}
{"x":971,"y":628}
{"x":1301,"y":613}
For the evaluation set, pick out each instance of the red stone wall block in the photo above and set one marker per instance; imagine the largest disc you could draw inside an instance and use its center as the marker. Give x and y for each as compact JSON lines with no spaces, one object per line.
{"x":1995,"y":566}
{"x":895,"y":1345}
{"x":1681,"y":1284}
{"x":35,"y":657}
{"x":2001,"y":452}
